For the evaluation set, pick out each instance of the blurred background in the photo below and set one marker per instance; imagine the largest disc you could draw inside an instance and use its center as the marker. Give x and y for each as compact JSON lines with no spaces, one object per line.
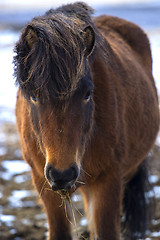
{"x":21,"y":215}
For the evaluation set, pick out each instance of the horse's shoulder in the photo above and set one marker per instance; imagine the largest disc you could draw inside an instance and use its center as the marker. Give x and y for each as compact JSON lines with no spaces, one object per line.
{"x":131,"y":33}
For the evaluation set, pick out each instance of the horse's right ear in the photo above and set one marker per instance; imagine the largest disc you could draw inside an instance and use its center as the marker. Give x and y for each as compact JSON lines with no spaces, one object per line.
{"x":30,"y":36}
{"x":89,"y":39}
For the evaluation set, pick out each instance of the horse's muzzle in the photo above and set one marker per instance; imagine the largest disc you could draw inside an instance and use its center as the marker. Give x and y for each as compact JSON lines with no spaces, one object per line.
{"x":62,"y":180}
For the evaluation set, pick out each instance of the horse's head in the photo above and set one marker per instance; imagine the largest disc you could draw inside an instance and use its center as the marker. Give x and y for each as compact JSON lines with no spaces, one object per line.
{"x":53,"y":75}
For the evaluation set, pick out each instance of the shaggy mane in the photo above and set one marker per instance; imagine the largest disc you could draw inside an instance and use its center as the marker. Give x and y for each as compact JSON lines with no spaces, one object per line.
{"x":50,"y":54}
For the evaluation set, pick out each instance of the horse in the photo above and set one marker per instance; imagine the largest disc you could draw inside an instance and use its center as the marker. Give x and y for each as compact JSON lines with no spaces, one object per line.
{"x":87,"y":115}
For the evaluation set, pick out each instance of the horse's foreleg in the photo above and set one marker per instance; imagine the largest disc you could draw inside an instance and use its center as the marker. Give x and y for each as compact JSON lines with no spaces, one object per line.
{"x":59,"y":225}
{"x":56,"y":209}
{"x":105,"y":208}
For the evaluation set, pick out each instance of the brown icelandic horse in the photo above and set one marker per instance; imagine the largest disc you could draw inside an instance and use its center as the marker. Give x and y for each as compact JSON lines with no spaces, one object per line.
{"x":87,"y":112}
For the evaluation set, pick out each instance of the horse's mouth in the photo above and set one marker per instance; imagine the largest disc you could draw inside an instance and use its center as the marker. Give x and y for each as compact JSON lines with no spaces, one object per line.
{"x":65,"y":192}
{"x":63,"y":189}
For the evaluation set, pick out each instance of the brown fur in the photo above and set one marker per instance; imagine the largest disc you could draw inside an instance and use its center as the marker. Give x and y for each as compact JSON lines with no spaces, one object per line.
{"x":108,"y":137}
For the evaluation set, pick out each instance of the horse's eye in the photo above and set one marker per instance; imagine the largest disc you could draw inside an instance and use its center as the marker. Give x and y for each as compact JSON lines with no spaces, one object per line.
{"x":33,"y":98}
{"x":87,"y":96}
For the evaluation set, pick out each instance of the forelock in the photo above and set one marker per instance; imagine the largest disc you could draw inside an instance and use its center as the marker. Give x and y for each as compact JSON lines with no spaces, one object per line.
{"x":54,"y":64}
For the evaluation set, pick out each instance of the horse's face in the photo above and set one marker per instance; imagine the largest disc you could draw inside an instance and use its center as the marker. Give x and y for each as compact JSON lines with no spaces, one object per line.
{"x":62,"y":128}
{"x":61,"y":122}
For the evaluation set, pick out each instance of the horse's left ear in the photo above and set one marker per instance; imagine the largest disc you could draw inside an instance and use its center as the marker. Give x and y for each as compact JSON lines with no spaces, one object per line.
{"x":89,"y":39}
{"x":31,"y":36}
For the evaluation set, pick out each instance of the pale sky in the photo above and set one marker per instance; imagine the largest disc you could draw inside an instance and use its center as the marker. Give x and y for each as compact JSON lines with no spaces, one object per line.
{"x":54,"y":3}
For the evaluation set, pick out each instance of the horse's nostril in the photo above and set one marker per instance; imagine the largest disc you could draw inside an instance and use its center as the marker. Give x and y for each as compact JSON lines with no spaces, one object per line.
{"x":73,"y":171}
{"x":48,"y":173}
{"x":62,"y":179}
